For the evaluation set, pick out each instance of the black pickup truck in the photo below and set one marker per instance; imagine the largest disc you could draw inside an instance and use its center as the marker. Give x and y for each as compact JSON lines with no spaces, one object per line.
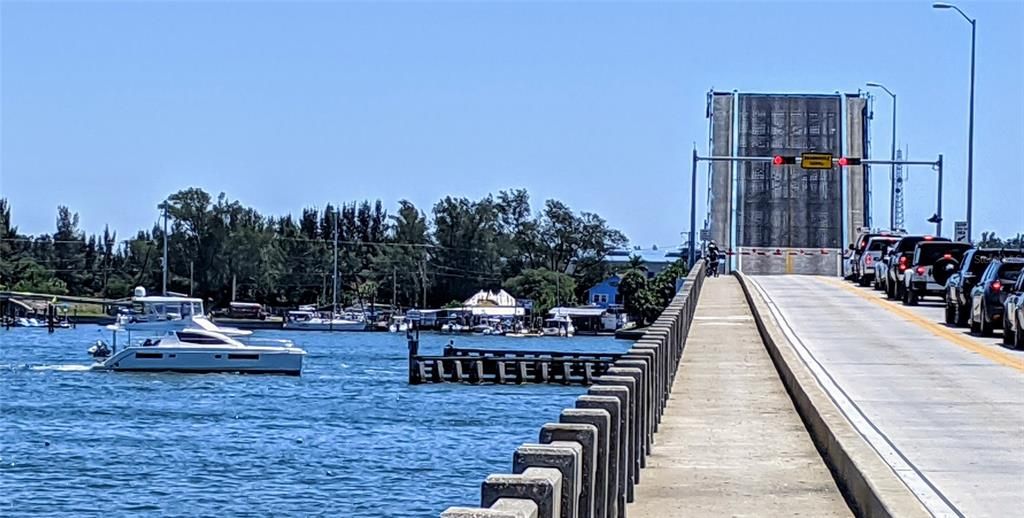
{"x":960,"y":284}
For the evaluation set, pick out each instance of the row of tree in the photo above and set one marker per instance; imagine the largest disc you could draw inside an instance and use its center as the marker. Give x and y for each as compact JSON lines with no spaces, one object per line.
{"x":219,"y":249}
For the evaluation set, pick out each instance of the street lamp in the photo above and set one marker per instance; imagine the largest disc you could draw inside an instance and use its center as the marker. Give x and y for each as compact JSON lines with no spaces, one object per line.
{"x":970,"y":127}
{"x":892,"y":170}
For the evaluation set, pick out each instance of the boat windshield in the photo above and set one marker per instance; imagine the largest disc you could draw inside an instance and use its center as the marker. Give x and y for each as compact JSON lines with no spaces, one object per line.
{"x":199,"y":338}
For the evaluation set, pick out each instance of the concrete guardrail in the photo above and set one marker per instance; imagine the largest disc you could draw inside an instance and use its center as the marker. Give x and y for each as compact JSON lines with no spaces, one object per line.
{"x":587,"y":464}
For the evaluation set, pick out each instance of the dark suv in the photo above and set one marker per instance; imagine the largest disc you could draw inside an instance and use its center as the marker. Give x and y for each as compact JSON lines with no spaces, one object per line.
{"x":989,"y":295}
{"x":960,"y":284}
{"x":897,"y":260}
{"x":930,"y":267}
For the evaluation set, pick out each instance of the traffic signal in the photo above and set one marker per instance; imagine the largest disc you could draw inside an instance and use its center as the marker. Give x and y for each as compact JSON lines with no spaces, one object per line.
{"x":845,"y":161}
{"x":783,"y":160}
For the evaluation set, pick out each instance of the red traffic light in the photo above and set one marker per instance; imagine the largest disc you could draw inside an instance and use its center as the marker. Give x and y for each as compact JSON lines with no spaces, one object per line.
{"x":844,"y":161}
{"x":777,"y":160}
{"x":783,"y":160}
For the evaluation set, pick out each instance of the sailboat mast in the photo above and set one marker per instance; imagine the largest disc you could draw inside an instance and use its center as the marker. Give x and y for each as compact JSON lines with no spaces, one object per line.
{"x":164,"y":287}
{"x":334,"y":303}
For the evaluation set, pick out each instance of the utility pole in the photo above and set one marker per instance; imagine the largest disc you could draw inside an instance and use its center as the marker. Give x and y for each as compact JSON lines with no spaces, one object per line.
{"x":191,"y":276}
{"x":394,"y":289}
{"x":970,"y":124}
{"x":423,"y":282}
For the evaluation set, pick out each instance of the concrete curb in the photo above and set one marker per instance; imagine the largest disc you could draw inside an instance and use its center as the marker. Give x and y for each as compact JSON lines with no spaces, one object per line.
{"x":870,"y":486}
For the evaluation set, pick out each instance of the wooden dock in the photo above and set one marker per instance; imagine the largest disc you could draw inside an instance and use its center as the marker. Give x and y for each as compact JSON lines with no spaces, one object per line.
{"x":505,"y":366}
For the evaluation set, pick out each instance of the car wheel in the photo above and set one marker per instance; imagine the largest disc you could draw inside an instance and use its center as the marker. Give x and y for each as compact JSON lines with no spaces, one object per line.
{"x":974,"y":325}
{"x":1007,"y":334}
{"x":963,"y":315}
{"x":950,"y":314}
{"x":863,"y":281}
{"x":890,"y":291}
{"x":911,"y":297}
{"x":984,"y":328}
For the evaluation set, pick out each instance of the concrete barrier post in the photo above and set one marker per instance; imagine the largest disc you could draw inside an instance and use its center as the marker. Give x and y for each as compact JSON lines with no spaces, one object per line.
{"x":605,"y":497}
{"x":624,"y":473}
{"x":583,"y":434}
{"x":562,"y":455}
{"x":503,"y":508}
{"x":637,"y":368}
{"x":543,"y":486}
{"x":634,"y":446}
{"x":653,"y":392}
{"x":594,"y":477}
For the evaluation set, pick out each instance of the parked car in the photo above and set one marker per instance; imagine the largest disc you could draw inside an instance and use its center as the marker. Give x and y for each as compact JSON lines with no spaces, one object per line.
{"x":857,"y":248}
{"x":1013,"y":315}
{"x":959,"y":286}
{"x":930,"y":267}
{"x":897,"y":260}
{"x":989,"y":296}
{"x":871,"y":256}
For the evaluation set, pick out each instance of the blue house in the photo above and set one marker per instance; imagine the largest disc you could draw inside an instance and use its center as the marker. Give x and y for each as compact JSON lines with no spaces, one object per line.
{"x":605,"y":293}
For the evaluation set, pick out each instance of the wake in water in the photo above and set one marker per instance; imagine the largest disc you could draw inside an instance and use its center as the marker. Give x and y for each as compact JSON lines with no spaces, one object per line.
{"x":60,"y":368}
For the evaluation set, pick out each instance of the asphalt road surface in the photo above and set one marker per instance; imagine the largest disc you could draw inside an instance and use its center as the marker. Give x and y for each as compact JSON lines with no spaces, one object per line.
{"x":945,"y":409}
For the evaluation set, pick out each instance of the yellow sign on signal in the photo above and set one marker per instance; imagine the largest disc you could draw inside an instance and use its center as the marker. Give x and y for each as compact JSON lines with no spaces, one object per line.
{"x":816,"y":160}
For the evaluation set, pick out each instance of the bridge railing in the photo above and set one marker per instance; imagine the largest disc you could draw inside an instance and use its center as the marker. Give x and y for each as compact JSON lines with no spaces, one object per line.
{"x":587,"y":464}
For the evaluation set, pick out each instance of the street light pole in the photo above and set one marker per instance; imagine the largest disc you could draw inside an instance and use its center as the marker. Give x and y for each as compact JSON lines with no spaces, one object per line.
{"x":970,"y":124}
{"x":892,"y":157}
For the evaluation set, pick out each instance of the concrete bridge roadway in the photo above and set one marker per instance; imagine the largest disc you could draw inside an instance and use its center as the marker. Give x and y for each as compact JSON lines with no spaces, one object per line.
{"x":945,"y":409}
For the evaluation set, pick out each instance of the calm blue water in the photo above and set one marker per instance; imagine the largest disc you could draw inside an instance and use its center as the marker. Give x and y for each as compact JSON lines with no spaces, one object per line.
{"x":349,"y":437}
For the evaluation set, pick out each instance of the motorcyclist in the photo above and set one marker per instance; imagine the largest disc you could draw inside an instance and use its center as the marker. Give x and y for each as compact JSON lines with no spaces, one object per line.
{"x":714,"y":255}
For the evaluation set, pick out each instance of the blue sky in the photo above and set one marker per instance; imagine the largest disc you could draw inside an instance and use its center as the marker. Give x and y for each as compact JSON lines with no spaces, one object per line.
{"x":110,"y":107}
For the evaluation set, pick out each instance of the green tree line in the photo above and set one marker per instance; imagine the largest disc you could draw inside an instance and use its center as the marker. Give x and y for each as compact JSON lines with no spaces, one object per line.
{"x":413,"y":257}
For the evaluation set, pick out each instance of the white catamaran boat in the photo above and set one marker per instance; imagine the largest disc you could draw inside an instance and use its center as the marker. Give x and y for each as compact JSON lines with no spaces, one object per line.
{"x":199,"y":351}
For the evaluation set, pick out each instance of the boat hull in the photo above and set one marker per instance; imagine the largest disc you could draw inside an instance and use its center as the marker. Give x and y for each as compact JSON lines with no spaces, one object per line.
{"x":186,"y":359}
{"x":323,"y":326}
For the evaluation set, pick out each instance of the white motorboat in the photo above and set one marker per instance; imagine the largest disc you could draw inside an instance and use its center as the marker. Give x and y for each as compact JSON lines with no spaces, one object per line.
{"x":306,"y":320}
{"x":28,"y":322}
{"x":200,"y":351}
{"x":398,"y":325}
{"x":559,"y":325}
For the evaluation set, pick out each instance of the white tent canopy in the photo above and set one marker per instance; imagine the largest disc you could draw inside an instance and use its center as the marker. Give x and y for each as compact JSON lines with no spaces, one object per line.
{"x":491,"y":298}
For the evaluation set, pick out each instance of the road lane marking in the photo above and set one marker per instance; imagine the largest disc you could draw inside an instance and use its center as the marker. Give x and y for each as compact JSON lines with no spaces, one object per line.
{"x":933,"y":499}
{"x":936,"y":329}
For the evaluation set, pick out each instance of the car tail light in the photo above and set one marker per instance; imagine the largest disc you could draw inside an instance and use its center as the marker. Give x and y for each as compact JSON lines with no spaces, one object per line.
{"x":920,"y":270}
{"x":928,"y":238}
{"x":903,"y":261}
{"x":996,"y":286}
{"x":947,"y":256}
{"x":867,"y":260}
{"x":903,"y":267}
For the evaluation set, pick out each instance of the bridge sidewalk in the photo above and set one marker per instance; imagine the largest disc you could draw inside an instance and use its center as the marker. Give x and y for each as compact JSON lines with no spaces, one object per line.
{"x":730,"y":442}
